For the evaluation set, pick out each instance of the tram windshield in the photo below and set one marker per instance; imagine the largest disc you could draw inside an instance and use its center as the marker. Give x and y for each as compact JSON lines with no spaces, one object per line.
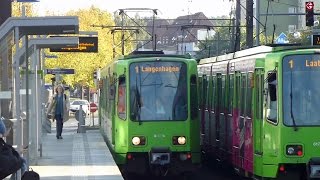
{"x":301,"y":90}
{"x":158,"y":91}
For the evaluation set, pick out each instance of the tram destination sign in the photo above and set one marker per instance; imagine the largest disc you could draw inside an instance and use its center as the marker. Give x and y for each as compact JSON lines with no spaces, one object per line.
{"x":86,"y":44}
{"x":60,"y":71}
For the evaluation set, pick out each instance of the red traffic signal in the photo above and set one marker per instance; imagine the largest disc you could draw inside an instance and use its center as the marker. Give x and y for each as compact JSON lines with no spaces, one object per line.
{"x":309,"y":13}
{"x":309,"y":6}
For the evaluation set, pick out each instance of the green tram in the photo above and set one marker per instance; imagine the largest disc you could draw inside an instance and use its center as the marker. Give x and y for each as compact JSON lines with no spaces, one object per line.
{"x":259,"y":111}
{"x":149,"y":113}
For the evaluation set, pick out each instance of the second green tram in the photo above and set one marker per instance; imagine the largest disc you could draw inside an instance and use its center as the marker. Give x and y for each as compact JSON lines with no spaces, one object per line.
{"x":260,"y":111}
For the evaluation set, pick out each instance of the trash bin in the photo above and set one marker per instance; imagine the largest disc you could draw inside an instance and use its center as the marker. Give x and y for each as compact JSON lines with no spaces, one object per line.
{"x":80,"y":116}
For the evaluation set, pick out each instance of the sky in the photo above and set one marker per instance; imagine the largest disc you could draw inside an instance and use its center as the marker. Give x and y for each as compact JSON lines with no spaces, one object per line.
{"x":167,"y":8}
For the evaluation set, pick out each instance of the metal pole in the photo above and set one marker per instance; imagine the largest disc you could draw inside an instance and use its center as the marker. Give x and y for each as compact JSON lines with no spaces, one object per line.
{"x":27,"y":98}
{"x":155,"y":42}
{"x":27,"y":92}
{"x":257,"y":22}
{"x":113,"y":47}
{"x":182,"y":42}
{"x":38,"y":103}
{"x":249,"y":27}
{"x":238,"y":19}
{"x":5,"y":78}
{"x":218,"y":34}
{"x":122,"y":33}
{"x":42,"y":103}
{"x":312,"y":35}
{"x":153,"y":35}
{"x":17,"y":99}
{"x":232,"y":34}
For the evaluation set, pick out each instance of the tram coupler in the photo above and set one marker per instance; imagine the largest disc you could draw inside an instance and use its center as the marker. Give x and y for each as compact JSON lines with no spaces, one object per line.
{"x":313,"y":167}
{"x":160,"y":156}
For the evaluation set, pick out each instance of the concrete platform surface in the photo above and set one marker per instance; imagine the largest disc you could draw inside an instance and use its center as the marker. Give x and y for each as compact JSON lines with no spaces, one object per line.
{"x":78,"y":156}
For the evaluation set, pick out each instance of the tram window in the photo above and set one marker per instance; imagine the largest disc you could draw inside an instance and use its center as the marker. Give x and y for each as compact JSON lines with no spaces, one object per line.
{"x":230,"y":100}
{"x":237,"y":87}
{"x":249,"y":94}
{"x":122,"y":98}
{"x":200,"y":90}
{"x":204,"y":91}
{"x":207,"y":93}
{"x":111,"y":92}
{"x":193,"y":98}
{"x":259,"y":95}
{"x":112,"y":88}
{"x":272,"y":99}
{"x":223,"y":91}
{"x":243,"y":94}
{"x":219,"y":92}
{"x":213,"y":102}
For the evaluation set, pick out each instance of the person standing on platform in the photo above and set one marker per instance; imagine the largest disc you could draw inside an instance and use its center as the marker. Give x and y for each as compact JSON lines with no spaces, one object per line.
{"x":3,"y":133}
{"x":59,"y":109}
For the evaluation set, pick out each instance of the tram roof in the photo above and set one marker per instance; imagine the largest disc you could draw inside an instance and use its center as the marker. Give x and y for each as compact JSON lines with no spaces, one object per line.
{"x":146,"y":54}
{"x":259,"y":50}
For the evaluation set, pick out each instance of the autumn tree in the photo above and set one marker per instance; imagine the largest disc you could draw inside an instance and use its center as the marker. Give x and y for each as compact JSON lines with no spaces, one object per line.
{"x":85,"y":64}
{"x":17,"y":9}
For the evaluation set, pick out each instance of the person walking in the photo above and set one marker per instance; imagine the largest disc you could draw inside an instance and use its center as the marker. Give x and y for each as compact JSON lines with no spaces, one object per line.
{"x":59,"y":109}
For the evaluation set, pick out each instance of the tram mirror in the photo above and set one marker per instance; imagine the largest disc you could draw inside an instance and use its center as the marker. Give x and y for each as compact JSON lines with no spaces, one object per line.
{"x":272,"y":96}
{"x":111,"y":92}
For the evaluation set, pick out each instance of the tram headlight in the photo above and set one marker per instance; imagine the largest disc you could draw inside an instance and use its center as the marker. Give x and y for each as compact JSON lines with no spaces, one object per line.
{"x":290,"y":150}
{"x":135,"y":141}
{"x":179,"y":140}
{"x":138,"y":140}
{"x":294,"y":150}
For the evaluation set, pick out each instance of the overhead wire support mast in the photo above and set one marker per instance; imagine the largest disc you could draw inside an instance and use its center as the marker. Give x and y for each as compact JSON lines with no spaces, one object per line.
{"x":122,"y":27}
{"x":135,"y":30}
{"x":122,"y":12}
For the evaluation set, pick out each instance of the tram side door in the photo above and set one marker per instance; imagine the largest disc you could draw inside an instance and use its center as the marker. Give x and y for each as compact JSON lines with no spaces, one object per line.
{"x":258,"y":119}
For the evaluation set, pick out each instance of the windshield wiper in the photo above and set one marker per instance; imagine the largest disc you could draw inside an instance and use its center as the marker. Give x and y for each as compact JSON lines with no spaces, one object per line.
{"x":170,"y":85}
{"x":291,"y":111}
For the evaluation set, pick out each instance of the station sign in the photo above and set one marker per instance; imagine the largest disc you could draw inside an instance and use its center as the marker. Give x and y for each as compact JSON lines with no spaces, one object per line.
{"x":86,"y":44}
{"x":282,"y":39}
{"x":316,"y":40}
{"x":60,"y":71}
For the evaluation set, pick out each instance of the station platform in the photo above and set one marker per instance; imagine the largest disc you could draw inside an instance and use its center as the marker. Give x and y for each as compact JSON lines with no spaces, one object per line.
{"x":78,"y":156}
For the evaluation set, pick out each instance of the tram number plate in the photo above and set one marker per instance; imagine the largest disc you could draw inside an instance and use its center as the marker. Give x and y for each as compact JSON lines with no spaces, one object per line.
{"x":160,"y":158}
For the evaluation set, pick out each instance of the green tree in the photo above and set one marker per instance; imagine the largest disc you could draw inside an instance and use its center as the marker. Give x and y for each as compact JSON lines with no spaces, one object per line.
{"x":221,"y":43}
{"x":303,"y":37}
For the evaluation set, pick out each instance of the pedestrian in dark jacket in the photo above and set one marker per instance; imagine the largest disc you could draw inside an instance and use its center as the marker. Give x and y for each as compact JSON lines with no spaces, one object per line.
{"x":59,"y":109}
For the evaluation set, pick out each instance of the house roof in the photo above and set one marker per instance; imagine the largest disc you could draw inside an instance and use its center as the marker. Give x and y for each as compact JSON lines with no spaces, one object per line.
{"x":169,"y":33}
